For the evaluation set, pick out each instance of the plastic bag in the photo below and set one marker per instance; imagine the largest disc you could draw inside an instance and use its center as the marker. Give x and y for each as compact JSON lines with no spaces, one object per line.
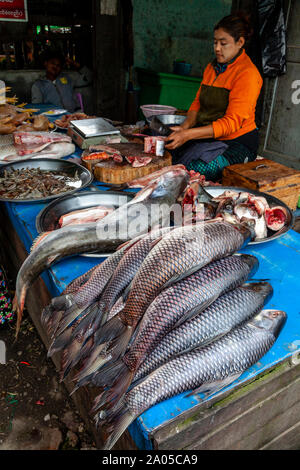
{"x":272,"y":32}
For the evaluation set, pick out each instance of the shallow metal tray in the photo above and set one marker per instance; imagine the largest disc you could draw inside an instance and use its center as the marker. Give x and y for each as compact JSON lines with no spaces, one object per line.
{"x":94,"y":127}
{"x":49,"y":164}
{"x":47,"y":220}
{"x":272,"y":201}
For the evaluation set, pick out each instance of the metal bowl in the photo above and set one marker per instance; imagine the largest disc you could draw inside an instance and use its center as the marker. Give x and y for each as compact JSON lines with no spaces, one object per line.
{"x":169,"y":119}
{"x":48,"y":219}
{"x":49,"y":164}
{"x":215,"y":191}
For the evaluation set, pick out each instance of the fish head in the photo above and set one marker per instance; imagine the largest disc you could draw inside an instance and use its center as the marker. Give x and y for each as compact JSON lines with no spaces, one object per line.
{"x":263,"y":288}
{"x":226,"y":206}
{"x":245,"y":210}
{"x":169,"y":185}
{"x":270,"y":320}
{"x":249,"y":226}
{"x":251,"y":261}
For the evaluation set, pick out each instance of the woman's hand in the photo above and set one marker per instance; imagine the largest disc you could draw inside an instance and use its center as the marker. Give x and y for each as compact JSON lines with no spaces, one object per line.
{"x":178,"y":137}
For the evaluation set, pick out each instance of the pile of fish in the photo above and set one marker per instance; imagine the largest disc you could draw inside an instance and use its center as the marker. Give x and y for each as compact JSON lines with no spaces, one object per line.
{"x":34,"y":183}
{"x":234,"y":207}
{"x":172,"y":310}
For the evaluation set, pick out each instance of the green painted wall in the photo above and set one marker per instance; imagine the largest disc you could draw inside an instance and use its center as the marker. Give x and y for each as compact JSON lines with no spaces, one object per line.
{"x":168,"y":30}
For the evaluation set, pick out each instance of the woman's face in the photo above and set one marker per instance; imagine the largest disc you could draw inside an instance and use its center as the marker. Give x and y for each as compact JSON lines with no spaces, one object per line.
{"x":225,"y":46}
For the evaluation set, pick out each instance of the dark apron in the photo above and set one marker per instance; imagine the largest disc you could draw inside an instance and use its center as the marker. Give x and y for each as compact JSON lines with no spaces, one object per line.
{"x":213,"y":105}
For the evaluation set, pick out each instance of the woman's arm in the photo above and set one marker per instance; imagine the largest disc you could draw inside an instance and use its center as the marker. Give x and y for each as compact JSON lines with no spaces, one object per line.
{"x":180,"y":137}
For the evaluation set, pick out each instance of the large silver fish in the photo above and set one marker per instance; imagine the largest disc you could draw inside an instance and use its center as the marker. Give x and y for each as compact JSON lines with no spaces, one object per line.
{"x":91,"y":237}
{"x":228,"y":311}
{"x":170,"y":308}
{"x":208,"y":369}
{"x":180,"y":253}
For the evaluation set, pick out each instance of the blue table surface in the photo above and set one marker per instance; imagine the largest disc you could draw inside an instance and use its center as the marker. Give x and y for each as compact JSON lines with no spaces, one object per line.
{"x":279,"y":262}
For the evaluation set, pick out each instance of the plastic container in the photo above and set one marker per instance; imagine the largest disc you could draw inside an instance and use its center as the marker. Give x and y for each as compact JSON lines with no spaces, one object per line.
{"x":166,"y":88}
{"x":157,"y":109}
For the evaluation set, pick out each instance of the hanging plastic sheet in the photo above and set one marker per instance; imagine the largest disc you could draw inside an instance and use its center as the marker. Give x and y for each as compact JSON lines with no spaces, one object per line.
{"x":272,"y":32}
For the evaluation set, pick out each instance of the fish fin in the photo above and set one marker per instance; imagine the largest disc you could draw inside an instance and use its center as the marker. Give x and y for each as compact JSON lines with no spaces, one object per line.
{"x":126,"y":292}
{"x":181,"y":276}
{"x":195,"y":311}
{"x":119,"y":336}
{"x":155,"y":242}
{"x":68,"y":318}
{"x":38,"y":240}
{"x":62,"y":302}
{"x":204,"y":196}
{"x":85,"y":349}
{"x":85,"y":325}
{"x":116,"y":427}
{"x":60,"y":342}
{"x":46,"y":314}
{"x":117,"y":377}
{"x":214,"y":387}
{"x":67,"y":360}
{"x":112,"y":329}
{"x":53,"y":323}
{"x":91,"y":365}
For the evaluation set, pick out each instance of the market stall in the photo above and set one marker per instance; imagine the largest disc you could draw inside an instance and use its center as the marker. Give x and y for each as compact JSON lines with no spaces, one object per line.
{"x":257,"y":411}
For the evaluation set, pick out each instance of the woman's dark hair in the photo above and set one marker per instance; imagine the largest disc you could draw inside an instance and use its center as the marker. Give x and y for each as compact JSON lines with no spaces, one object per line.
{"x":237,"y":25}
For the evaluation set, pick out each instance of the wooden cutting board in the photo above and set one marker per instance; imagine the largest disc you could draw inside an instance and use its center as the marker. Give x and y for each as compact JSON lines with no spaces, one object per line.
{"x":266,"y":176}
{"x":119,"y":173}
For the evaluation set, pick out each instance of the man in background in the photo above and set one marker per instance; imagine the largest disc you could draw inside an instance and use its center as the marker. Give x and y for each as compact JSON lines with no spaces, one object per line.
{"x":55,"y":87}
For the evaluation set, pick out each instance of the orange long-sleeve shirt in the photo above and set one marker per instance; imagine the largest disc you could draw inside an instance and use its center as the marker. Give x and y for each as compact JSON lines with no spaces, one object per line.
{"x":244,"y":83}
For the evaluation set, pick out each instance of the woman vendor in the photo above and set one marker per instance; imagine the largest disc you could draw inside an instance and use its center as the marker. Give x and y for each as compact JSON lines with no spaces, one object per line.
{"x":220,"y":127}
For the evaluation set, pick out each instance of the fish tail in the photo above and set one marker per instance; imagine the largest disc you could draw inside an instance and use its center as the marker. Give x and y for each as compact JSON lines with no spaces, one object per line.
{"x":83,"y":352}
{"x":60,"y":342}
{"x":87,"y":373}
{"x":89,"y":366}
{"x":69,"y":316}
{"x":46,"y":315}
{"x":90,"y":322}
{"x":62,"y":302}
{"x":53,"y":323}
{"x":114,"y":329}
{"x":115,"y":428}
{"x":117,"y":377}
{"x":67,"y":360}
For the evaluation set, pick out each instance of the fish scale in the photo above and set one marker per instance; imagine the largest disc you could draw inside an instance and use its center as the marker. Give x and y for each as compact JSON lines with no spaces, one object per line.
{"x":90,"y":291}
{"x":171,"y":308}
{"x":226,"y":312}
{"x":194,"y":292}
{"x":203,"y":370}
{"x":128,"y":267}
{"x":175,"y":258}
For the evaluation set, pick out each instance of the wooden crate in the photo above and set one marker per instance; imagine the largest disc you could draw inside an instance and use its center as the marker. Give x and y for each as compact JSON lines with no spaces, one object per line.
{"x":266,"y":176}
